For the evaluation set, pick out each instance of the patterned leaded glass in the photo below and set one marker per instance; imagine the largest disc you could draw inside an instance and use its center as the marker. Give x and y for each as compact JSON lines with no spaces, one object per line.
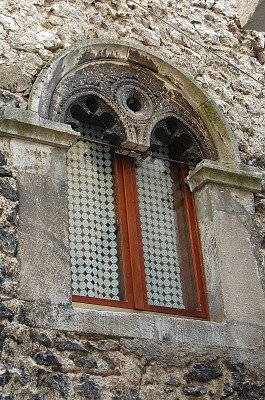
{"x":159,"y":231}
{"x":92,"y":220}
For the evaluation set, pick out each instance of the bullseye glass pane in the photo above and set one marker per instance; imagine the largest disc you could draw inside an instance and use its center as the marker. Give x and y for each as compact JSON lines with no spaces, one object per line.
{"x":159,"y":231}
{"x":93,"y":236}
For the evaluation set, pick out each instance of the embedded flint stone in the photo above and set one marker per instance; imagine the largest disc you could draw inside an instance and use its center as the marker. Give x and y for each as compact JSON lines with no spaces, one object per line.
{"x":89,"y":388}
{"x":12,"y":218}
{"x":6,"y":313}
{"x":47,"y":359}
{"x":7,"y":191}
{"x":2,"y":338}
{"x":3,"y":275}
{"x":195,"y":391}
{"x":172,"y":382}
{"x":54,"y":381}
{"x":203,"y":372}
{"x":41,"y":338}
{"x":8,"y":241}
{"x":4,"y":378}
{"x":70,"y":346}
{"x":86,"y":362}
{"x":227,"y":392}
{"x":5,"y":173}
{"x":2,"y":159}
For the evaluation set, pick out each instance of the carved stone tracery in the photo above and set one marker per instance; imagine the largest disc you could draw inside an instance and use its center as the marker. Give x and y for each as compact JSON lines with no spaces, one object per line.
{"x":135,"y":109}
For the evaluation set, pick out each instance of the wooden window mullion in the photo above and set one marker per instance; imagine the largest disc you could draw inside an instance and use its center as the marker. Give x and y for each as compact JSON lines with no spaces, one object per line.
{"x":134,"y":234}
{"x":195,"y":244}
{"x":127,"y":278}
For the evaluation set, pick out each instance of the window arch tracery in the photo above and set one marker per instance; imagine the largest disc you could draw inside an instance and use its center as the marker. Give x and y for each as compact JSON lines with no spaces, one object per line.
{"x":130,"y":212}
{"x":211,"y":181}
{"x":149,"y":103}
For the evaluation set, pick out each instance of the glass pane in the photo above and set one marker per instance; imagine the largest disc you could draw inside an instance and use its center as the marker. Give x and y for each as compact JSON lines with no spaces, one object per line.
{"x":93,"y":227}
{"x":159,"y":232}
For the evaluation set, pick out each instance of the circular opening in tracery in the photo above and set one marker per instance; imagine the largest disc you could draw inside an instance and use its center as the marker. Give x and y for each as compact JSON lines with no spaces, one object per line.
{"x":135,"y":101}
{"x":133,"y":104}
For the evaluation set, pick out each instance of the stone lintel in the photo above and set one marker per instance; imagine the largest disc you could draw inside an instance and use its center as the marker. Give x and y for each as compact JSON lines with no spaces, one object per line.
{"x":28,"y":125}
{"x":241,"y":177}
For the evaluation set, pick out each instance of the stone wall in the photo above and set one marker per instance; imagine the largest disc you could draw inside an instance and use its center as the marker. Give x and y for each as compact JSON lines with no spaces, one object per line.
{"x":47,"y":364}
{"x":38,"y":365}
{"x":33,"y":31}
{"x":252,"y":14}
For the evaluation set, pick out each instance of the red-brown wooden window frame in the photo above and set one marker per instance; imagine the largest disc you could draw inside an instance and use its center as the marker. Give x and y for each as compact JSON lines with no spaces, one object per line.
{"x":135,"y":292}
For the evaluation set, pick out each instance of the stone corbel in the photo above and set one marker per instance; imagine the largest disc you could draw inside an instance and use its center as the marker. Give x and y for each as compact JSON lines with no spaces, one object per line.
{"x":241,"y":176}
{"x":28,"y":125}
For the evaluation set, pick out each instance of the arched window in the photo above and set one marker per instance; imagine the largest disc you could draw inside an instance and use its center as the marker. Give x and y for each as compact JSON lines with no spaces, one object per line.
{"x":140,"y":107}
{"x":132,"y":225}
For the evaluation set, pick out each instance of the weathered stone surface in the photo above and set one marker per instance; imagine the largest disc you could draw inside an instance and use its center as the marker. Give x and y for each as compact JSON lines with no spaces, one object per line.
{"x":31,"y":31}
{"x":195,"y":391}
{"x":127,"y":394}
{"x":227,"y":392}
{"x":41,"y":338}
{"x":203,"y":372}
{"x":67,"y":345}
{"x":47,"y":359}
{"x":5,"y":173}
{"x":7,"y":191}
{"x":9,"y":100}
{"x":2,"y":159}
{"x":13,"y":78}
{"x":86,"y":362}
{"x":8,"y":241}
{"x":3,"y":274}
{"x":12,"y":218}
{"x":4,"y":378}
{"x":89,"y":389}
{"x":2,"y":337}
{"x":104,"y":345}
{"x":54,"y":381}
{"x":5,"y":313}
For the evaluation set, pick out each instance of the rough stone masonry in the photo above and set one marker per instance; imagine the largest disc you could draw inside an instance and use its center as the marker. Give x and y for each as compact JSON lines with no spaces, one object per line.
{"x":39,"y":364}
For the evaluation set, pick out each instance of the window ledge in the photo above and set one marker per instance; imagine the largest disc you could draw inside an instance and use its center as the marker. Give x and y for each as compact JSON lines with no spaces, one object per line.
{"x":141,"y":325}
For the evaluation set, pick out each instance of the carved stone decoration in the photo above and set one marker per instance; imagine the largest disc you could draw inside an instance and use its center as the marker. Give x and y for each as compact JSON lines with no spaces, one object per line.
{"x":181,"y":143}
{"x":135,"y":107}
{"x":92,"y":111}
